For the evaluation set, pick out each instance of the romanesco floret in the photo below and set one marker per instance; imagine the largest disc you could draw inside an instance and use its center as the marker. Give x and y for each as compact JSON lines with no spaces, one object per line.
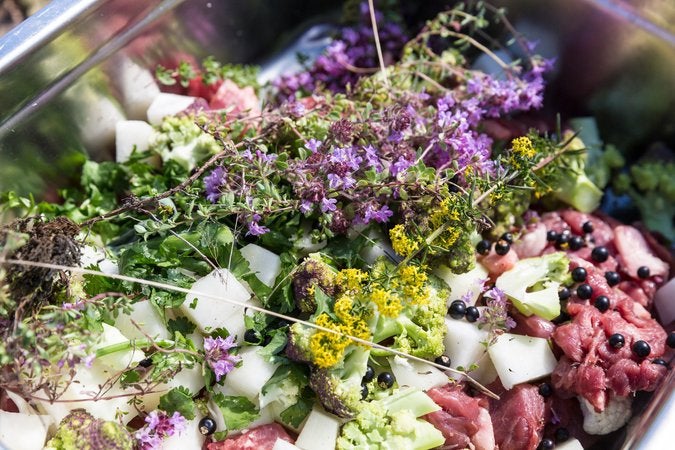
{"x":179,"y":138}
{"x":79,"y":430}
{"x":651,"y":187}
{"x":393,"y":423}
{"x":339,"y":388}
{"x":532,"y":284}
{"x":314,"y":273}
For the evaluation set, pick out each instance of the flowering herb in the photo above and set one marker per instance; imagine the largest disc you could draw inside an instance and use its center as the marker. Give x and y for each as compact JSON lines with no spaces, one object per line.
{"x":217,"y":355}
{"x":159,"y":426}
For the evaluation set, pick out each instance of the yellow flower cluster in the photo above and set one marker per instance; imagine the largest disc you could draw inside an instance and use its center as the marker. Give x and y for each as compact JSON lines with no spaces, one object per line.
{"x":328,"y":348}
{"x":401,"y":243}
{"x":351,"y":279}
{"x":388,"y":304}
{"x":523,"y":147}
{"x":413,"y":279}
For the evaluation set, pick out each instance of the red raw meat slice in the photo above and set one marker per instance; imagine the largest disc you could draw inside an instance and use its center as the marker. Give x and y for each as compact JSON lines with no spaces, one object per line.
{"x":498,"y":264}
{"x":235,"y":99}
{"x":464,"y":420}
{"x":634,"y":252}
{"x":518,"y":418}
{"x":602,"y":232}
{"x":197,"y":88}
{"x":533,"y":325}
{"x":258,"y":438}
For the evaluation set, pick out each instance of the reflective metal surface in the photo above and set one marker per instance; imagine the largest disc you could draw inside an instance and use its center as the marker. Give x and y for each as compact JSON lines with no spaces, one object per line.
{"x":62,"y":91}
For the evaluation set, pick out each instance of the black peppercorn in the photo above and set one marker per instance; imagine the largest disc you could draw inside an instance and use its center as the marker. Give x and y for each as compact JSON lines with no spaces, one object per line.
{"x":483,"y":247}
{"x":385,"y":380}
{"x":502,"y":247}
{"x":508,"y":237}
{"x":617,"y":340}
{"x":579,"y":274}
{"x":207,"y":426}
{"x":587,"y":227}
{"x":472,"y":314}
{"x":612,"y":278}
{"x":457,"y":309}
{"x":551,"y":236}
{"x":641,"y":348}
{"x":576,"y":243}
{"x":584,"y":291}
{"x":643,"y":272}
{"x":564,"y":293}
{"x":601,"y":303}
{"x":600,"y":254}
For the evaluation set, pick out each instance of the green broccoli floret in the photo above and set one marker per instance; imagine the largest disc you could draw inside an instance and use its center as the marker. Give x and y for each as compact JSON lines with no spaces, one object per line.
{"x":339,"y":388}
{"x":572,"y":185}
{"x":461,"y":257}
{"x":651,"y":186}
{"x":297,"y":347}
{"x":393,"y":423}
{"x":179,"y":138}
{"x":532,"y":284}
{"x":313,"y":273}
{"x":79,"y":430}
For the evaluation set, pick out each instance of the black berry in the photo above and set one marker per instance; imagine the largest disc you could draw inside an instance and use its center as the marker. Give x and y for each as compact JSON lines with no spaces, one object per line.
{"x":369,"y":375}
{"x":545,"y":390}
{"x":600,"y":254}
{"x":508,"y":237}
{"x":576,"y":243}
{"x":385,"y":380}
{"x":641,"y":348}
{"x":502,"y":247}
{"x":562,"y":434}
{"x":643,"y":272}
{"x":551,"y":236}
{"x":584,"y":291}
{"x":472,"y":314}
{"x":457,"y":309}
{"x":546,"y":444}
{"x":364,"y":392}
{"x":562,"y":240}
{"x":483,"y":247}
{"x":660,"y":362}
{"x":670,"y":340}
{"x":579,"y":274}
{"x":601,"y":303}
{"x":147,"y":362}
{"x":443,"y":360}
{"x":564,"y":293}
{"x":587,"y":227}
{"x":617,"y":340}
{"x":207,"y":426}
{"x":251,"y":336}
{"x":613,"y":278}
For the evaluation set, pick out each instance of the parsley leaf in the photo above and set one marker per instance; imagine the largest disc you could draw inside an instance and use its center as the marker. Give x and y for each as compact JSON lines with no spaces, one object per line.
{"x":178,"y":399}
{"x":238,"y":412}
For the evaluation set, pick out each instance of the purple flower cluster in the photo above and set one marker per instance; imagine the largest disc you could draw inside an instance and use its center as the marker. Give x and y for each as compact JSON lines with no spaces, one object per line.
{"x":218,"y":357}
{"x":213,"y":182}
{"x":339,"y":66}
{"x":159,"y":426}
{"x":496,"y":313}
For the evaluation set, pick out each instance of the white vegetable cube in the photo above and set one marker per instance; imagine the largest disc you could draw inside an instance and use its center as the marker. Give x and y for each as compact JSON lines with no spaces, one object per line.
{"x":119,"y":360}
{"x":281,"y":444}
{"x":519,"y":359}
{"x":138,"y":88}
{"x":469,"y":283}
{"x":207,"y":304}
{"x":165,"y":104}
{"x":249,"y":378}
{"x":265,"y":264}
{"x":570,"y":444}
{"x":320,"y":431}
{"x":464,"y":343}
{"x":189,"y":438}
{"x":147,"y":319}
{"x":416,"y":374}
{"x":130,"y":134}
{"x":19,"y":431}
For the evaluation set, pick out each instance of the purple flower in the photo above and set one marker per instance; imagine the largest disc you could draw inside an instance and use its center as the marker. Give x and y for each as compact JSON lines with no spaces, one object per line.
{"x":89,"y":360}
{"x":346,"y":156}
{"x":159,"y":426}
{"x":497,"y":295}
{"x":213,"y":183}
{"x":400,"y":166}
{"x":313,"y":145}
{"x":381,"y":215}
{"x":218,"y":357}
{"x":306,"y":207}
{"x":328,"y":204}
{"x":371,"y":158}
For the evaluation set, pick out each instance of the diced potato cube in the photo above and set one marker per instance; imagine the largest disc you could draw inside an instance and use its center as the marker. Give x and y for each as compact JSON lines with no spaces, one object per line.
{"x":519,"y":359}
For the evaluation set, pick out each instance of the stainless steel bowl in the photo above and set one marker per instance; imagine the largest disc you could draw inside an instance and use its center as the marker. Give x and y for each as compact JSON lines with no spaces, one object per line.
{"x":61,"y":91}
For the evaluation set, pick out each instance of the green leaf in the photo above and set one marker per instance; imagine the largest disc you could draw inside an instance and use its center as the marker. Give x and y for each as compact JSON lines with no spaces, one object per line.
{"x":275,"y":346}
{"x":295,"y":414}
{"x":238,"y":412}
{"x":182,"y":325}
{"x":178,"y":399}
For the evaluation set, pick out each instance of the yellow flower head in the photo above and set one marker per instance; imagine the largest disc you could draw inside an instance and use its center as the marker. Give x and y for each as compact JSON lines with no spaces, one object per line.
{"x":343,"y":309}
{"x":401,"y":243}
{"x":523,"y":147}
{"x":351,"y":279}
{"x":387,"y":303}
